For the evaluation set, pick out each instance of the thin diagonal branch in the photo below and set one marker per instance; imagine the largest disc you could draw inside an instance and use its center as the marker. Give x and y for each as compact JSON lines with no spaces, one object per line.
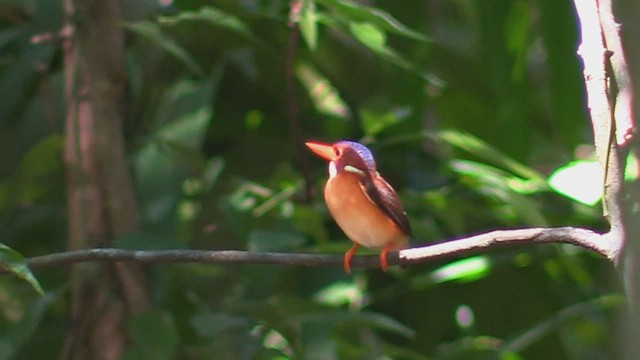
{"x":455,"y":248}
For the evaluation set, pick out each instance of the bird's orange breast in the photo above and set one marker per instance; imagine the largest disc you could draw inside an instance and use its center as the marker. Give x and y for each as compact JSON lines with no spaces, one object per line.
{"x":361,"y":219}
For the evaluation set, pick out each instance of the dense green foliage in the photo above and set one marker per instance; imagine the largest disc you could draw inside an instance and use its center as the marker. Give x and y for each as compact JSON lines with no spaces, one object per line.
{"x":469,"y":107}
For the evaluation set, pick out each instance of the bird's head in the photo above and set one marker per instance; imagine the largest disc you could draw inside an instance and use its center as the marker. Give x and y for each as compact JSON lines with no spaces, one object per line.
{"x":344,"y":155}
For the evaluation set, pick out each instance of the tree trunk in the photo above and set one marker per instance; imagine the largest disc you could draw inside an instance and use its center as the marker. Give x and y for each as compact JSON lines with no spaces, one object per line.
{"x":100,"y":196}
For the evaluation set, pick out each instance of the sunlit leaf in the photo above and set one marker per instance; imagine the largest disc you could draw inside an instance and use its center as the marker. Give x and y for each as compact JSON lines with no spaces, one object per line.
{"x":154,"y":33}
{"x":464,"y":270}
{"x":326,"y":98}
{"x":582,"y":181}
{"x":309,"y":23}
{"x":15,"y":263}
{"x":631,"y":171}
{"x":491,"y":155}
{"x":375,"y":38}
{"x":500,"y":185}
{"x":375,"y":16}
{"x":371,"y":36}
{"x":339,"y":293}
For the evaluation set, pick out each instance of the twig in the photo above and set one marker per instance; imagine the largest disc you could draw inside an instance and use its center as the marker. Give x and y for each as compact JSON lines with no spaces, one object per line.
{"x":580,"y":237}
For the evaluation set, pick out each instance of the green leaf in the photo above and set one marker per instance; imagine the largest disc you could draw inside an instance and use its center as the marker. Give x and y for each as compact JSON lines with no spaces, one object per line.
{"x":172,"y":152}
{"x":371,"y":36}
{"x":310,"y":221}
{"x":582,"y":181}
{"x":154,"y":336}
{"x":498,"y":184}
{"x":15,"y":263}
{"x":211,"y":16}
{"x":326,"y":98}
{"x":339,"y":294}
{"x":544,"y":328}
{"x":465,"y":270}
{"x":375,"y":117}
{"x":309,"y":23}
{"x":375,"y":38}
{"x":482,"y":150}
{"x":377,"y":17}
{"x":15,"y":334}
{"x":381,"y":322}
{"x":37,"y":169}
{"x":152,"y":32}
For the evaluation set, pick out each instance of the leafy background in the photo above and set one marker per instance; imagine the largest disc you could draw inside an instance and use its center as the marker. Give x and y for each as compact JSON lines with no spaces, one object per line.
{"x":469,"y":107}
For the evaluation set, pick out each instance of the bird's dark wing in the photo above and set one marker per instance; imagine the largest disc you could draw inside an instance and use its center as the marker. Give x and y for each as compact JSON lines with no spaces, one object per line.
{"x":383,"y":195}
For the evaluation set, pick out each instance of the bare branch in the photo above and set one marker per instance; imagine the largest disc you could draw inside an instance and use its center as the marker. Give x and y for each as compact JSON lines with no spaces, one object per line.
{"x":623,"y":118}
{"x":595,"y":57}
{"x":580,"y":237}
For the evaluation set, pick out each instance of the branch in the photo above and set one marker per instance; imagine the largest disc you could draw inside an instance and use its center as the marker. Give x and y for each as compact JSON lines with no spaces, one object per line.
{"x":580,"y":237}
{"x":596,"y":59}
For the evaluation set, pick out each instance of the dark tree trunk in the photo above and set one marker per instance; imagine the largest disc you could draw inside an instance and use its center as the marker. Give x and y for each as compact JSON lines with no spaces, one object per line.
{"x":101,"y":203}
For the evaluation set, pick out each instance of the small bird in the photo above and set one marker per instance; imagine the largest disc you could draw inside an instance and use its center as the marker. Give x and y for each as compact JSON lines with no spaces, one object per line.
{"x":363,"y":204}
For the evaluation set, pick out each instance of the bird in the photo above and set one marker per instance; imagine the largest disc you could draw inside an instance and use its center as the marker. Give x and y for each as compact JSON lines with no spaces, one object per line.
{"x":361,"y":201}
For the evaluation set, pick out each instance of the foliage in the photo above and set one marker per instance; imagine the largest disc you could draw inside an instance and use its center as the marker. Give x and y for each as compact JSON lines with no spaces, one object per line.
{"x":468,"y":106}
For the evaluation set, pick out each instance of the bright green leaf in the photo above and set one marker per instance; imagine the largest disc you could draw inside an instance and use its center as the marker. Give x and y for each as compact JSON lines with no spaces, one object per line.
{"x":340,"y":293}
{"x":309,"y":23}
{"x":479,"y":148}
{"x":375,"y":38}
{"x":464,"y":270}
{"x":500,"y":185}
{"x":15,"y":263}
{"x":326,"y":98}
{"x":371,"y":36}
{"x":379,"y":18}
{"x":582,"y":181}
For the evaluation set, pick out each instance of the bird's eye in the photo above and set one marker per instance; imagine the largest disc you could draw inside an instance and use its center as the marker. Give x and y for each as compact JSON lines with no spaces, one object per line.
{"x":337,"y":151}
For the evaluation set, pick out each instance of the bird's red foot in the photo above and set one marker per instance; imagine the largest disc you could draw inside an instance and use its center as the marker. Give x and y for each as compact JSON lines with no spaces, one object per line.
{"x":383,"y":258}
{"x":348,"y":256}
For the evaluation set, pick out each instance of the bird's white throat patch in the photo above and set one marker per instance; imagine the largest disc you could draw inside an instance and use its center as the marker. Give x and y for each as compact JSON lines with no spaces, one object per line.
{"x":332,"y":170}
{"x":353,"y":169}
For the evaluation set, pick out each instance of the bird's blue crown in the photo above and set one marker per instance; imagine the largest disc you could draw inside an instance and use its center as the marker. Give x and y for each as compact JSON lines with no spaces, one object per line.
{"x":362,"y":151}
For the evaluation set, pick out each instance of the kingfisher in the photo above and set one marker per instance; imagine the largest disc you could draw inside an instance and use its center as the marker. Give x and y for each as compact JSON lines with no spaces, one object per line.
{"x":362,"y":202}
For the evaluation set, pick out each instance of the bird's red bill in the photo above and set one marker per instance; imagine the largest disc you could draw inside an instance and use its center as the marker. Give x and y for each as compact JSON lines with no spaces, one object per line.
{"x":323,"y":150}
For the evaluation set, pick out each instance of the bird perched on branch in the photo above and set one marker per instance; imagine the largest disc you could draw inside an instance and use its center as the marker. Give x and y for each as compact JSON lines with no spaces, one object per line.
{"x":363,"y":204}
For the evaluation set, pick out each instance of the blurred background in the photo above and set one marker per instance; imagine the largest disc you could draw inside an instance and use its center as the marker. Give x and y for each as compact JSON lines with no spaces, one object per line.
{"x":475,"y":111}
